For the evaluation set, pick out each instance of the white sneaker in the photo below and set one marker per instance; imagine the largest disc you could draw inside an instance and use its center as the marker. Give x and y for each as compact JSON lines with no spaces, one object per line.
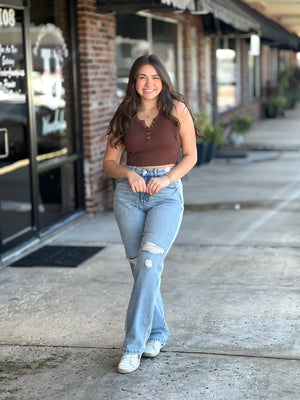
{"x":152,"y":348}
{"x":129,"y":363}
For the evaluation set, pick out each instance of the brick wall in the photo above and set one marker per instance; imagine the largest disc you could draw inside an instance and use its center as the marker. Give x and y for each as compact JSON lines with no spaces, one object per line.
{"x":96,"y":34}
{"x":187,"y":57}
{"x":203,"y":74}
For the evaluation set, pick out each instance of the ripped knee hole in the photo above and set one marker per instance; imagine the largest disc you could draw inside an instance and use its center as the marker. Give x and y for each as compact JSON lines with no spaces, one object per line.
{"x":153,"y":248}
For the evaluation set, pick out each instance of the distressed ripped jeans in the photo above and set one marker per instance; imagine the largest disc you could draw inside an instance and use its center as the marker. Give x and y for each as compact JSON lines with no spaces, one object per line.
{"x":148,"y":227}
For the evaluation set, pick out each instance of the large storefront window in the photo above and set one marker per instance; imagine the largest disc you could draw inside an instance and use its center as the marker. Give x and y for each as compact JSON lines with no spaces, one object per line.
{"x":164,"y":39}
{"x":49,"y":54}
{"x":228,"y":74}
{"x":131,"y":43}
{"x":15,"y":163}
{"x":138,"y":35}
{"x":52,"y":84}
{"x":40,"y":160}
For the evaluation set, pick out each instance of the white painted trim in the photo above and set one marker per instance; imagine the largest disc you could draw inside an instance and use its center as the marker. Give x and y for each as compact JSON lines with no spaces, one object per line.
{"x":148,"y":14}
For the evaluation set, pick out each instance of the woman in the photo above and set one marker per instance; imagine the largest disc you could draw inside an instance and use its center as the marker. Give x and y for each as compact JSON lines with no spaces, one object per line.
{"x":155,"y":126}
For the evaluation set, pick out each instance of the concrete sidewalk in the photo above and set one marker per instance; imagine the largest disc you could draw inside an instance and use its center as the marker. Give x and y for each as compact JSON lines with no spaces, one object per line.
{"x":230,"y":288}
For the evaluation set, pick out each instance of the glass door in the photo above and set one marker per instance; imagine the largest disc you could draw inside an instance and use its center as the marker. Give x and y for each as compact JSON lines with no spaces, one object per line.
{"x":58,"y":153}
{"x":16,"y":218}
{"x":41,"y":179}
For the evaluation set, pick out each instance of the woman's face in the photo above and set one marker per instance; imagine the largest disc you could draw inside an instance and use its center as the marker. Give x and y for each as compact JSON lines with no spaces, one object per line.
{"x":148,"y":83}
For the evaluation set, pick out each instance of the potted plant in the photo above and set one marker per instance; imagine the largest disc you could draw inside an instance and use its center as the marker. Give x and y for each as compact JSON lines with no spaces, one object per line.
{"x":240,"y":126}
{"x":271,"y":108}
{"x":202,"y":146}
{"x":206,"y":148}
{"x":275,"y":106}
{"x":214,"y":139}
{"x":201,"y":120}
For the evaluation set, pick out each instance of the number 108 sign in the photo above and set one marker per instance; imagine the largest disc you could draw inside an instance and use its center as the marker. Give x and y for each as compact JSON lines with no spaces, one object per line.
{"x":7,"y":17}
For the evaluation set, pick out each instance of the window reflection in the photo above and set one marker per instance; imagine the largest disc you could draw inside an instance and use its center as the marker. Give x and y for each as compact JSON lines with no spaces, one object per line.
{"x":165,"y":45}
{"x":15,"y":194}
{"x":133,"y":40}
{"x":53,"y":99}
{"x":228,"y":74}
{"x":13,"y":112}
{"x":49,"y":52}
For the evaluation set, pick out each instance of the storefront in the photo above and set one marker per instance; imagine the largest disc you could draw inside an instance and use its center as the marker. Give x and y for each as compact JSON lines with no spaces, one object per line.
{"x":63,"y":70}
{"x":40,"y":150}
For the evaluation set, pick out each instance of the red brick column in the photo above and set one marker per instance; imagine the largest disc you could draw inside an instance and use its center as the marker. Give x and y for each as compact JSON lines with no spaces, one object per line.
{"x":187,"y":67}
{"x":97,"y":51}
{"x":203,"y":74}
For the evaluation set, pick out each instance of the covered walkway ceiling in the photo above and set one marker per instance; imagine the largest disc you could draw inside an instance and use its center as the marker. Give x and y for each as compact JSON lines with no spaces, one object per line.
{"x":286,"y":12}
{"x":248,"y":16}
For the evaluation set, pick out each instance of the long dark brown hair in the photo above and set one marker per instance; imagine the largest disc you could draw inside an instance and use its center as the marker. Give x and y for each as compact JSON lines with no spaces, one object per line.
{"x":127,"y":110}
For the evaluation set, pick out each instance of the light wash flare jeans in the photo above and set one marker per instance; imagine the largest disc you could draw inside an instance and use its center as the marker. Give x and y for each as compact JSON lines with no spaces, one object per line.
{"x":148,"y":227}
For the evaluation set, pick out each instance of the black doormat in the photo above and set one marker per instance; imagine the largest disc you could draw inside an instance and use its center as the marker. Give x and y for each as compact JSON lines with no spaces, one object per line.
{"x":58,"y":256}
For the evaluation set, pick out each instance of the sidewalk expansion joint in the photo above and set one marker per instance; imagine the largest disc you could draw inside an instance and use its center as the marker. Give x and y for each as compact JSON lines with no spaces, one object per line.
{"x":204,"y":353}
{"x":240,"y":245}
{"x":239,"y":355}
{"x":242,"y":205}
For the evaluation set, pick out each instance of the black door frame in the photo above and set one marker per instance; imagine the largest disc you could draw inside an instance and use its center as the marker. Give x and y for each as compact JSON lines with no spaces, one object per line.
{"x":24,"y":7}
{"x":77,"y":157}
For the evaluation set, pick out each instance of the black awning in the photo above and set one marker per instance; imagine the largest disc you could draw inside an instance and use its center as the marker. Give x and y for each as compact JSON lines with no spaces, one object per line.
{"x":273,"y":33}
{"x":180,"y":4}
{"x":233,"y":14}
{"x":131,"y":6}
{"x":229,"y":13}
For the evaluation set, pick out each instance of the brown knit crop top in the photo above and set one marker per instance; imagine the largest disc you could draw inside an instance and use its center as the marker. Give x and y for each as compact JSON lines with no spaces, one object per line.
{"x":155,"y":145}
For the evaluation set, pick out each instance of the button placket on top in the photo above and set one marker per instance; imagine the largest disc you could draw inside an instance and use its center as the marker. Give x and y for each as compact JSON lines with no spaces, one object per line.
{"x":145,"y":196}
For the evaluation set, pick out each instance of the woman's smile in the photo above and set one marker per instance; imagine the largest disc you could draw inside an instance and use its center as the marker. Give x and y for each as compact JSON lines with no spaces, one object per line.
{"x":148,"y":83}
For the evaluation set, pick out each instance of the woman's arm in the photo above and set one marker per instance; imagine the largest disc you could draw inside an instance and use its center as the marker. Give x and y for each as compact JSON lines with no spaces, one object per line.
{"x":188,"y":140}
{"x":111,"y":165}
{"x":111,"y":161}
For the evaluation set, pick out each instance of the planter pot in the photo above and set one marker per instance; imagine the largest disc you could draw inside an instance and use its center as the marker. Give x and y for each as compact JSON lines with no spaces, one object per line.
{"x":201,"y":153}
{"x":271,"y":112}
{"x":211,"y":151}
{"x":292,"y":103}
{"x":236,"y":139}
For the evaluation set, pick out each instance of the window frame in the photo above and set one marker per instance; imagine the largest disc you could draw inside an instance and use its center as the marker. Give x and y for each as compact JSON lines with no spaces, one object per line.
{"x":254,"y":77}
{"x":178,"y":44}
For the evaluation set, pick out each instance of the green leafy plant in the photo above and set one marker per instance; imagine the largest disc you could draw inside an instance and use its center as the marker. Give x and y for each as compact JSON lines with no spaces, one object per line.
{"x":213,"y":134}
{"x":288,"y":85}
{"x":201,"y":121}
{"x":205,"y":125}
{"x":284,"y":77}
{"x":242,"y":123}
